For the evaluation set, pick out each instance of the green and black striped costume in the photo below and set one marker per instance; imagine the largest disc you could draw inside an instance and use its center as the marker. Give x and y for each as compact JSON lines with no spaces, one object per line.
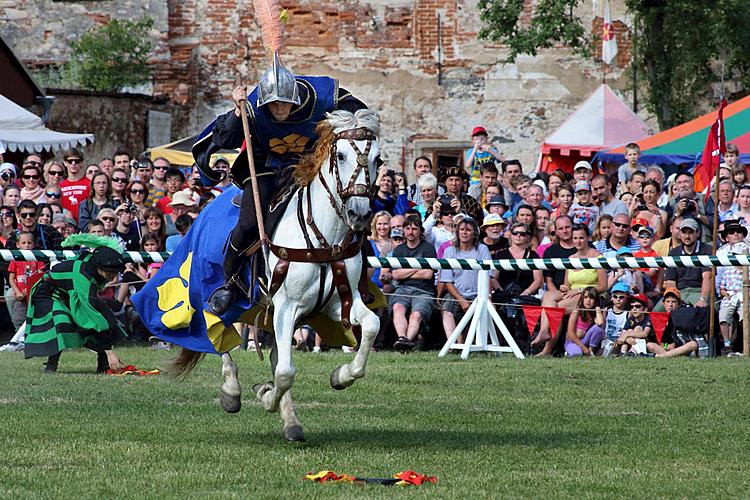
{"x":65,"y":312}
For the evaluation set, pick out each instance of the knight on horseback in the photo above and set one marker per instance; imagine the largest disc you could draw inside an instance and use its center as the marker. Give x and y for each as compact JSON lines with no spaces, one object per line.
{"x":282,"y":112}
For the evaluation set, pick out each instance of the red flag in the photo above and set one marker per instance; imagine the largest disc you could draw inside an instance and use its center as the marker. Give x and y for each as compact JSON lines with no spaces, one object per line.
{"x":716,"y":145}
{"x":532,"y":314}
{"x":659,"y":321}
{"x":554,"y":316}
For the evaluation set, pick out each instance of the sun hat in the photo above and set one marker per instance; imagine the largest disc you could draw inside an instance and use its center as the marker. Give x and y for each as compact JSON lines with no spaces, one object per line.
{"x":182,"y":198}
{"x":492,"y":220}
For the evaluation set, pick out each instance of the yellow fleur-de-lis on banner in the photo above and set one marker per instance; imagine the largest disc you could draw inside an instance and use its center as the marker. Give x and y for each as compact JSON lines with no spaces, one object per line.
{"x":174,"y":298}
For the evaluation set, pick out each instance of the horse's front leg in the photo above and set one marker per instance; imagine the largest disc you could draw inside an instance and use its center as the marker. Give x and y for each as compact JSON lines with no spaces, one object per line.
{"x":230,"y":389}
{"x":284,"y":317}
{"x":345,"y":375}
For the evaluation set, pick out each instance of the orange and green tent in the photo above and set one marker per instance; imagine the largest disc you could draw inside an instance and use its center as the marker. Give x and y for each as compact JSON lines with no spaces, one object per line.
{"x":684,"y":144}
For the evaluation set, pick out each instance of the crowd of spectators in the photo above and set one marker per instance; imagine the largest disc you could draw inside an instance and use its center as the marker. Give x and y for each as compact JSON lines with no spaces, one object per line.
{"x":487,"y":208}
{"x":144,"y":205}
{"x":490,"y":209}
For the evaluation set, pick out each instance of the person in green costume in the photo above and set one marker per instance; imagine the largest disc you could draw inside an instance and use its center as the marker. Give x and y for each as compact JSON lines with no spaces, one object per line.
{"x":65,"y":311}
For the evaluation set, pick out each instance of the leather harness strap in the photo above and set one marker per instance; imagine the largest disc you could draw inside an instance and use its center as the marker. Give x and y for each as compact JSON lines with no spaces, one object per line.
{"x":330,"y":255}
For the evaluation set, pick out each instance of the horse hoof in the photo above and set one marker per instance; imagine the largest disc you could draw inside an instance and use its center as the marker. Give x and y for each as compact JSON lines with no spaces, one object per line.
{"x":231,"y":404}
{"x":294,"y":433}
{"x":336,"y":382}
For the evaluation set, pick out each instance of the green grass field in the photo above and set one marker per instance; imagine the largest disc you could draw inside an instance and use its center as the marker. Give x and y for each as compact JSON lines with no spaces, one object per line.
{"x":486,"y":427}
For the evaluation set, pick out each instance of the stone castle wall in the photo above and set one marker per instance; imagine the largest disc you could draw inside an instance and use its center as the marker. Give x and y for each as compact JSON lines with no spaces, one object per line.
{"x":431,"y":81}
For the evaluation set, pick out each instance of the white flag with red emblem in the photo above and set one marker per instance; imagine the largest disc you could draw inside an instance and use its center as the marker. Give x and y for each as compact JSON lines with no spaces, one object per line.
{"x":609,"y":42}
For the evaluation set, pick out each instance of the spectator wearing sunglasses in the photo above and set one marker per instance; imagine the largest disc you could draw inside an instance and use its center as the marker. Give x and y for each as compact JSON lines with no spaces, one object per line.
{"x":31,"y":188}
{"x":157,"y":188}
{"x":75,"y":188}
{"x":53,"y":173}
{"x":45,"y":236}
{"x":619,"y":237}
{"x":119,"y":182}
{"x":100,"y":196}
{"x":109,"y":219}
{"x":9,"y":223}
{"x":136,"y":194}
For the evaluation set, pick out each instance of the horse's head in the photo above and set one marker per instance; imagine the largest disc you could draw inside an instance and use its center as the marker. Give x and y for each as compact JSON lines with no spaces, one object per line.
{"x":352,"y":165}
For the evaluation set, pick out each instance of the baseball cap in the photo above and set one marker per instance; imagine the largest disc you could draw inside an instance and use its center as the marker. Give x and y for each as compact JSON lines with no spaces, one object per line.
{"x":397,"y":232}
{"x":640,"y":298}
{"x":221,"y":159}
{"x":582,"y":186}
{"x":8,"y":167}
{"x":478,"y":130}
{"x":646,"y":228}
{"x":493,"y":219}
{"x":689,"y":224}
{"x":639,"y":221}
{"x":672,"y":291}
{"x":583,"y":164}
{"x":620,"y":287}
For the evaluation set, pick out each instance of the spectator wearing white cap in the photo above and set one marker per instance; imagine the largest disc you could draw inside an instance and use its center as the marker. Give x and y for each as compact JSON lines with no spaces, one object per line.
{"x":583,"y":171}
{"x":222,"y":165}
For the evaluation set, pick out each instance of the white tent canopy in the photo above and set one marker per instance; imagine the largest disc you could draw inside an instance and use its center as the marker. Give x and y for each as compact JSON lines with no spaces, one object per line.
{"x":21,"y":130}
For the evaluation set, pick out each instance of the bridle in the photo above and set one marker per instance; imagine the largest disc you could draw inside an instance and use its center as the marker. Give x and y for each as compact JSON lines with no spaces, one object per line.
{"x":352,"y":188}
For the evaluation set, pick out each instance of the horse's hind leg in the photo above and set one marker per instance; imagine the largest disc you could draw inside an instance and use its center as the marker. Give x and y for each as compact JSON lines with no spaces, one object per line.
{"x":345,"y":375}
{"x":230,"y":389}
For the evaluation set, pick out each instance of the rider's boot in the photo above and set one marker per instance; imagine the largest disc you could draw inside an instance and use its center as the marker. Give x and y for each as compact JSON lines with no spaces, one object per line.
{"x":224,"y":296}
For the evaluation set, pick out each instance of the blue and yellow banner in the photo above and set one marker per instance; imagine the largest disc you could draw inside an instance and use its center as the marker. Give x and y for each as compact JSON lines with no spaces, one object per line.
{"x":174,"y":303}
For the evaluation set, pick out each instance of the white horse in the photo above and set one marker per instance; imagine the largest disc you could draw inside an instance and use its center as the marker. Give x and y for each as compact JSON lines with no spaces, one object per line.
{"x":320,"y":232}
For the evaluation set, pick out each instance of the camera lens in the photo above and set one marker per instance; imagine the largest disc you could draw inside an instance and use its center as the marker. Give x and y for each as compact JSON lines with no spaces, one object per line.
{"x":5,"y":176}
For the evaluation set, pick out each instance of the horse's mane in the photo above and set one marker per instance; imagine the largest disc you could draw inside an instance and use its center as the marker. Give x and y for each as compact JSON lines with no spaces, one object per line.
{"x":335,"y":122}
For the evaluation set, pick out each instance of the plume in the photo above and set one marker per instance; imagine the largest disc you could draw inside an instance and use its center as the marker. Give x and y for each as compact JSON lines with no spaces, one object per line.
{"x":91,"y":241}
{"x":268,"y":14}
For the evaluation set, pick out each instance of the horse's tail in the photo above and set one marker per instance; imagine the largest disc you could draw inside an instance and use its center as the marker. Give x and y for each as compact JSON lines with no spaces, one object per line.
{"x":184,"y":363}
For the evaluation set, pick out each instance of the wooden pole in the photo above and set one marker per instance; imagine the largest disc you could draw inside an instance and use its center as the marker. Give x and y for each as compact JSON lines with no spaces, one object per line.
{"x":253,"y":178}
{"x":745,"y":313}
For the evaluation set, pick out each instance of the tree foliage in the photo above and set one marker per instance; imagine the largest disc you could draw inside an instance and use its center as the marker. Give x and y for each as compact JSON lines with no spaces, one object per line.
{"x":553,"y":22}
{"x":111,"y":57}
{"x":680,"y":47}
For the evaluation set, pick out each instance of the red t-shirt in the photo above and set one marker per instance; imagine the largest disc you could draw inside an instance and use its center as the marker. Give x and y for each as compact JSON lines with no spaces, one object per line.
{"x":73,"y":193}
{"x":25,"y":272}
{"x":643,"y":253}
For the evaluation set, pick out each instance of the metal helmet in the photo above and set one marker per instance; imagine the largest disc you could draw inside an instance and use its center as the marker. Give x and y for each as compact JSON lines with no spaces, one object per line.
{"x":277,"y":84}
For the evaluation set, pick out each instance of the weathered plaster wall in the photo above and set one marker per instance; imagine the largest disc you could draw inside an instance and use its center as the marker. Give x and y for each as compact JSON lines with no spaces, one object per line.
{"x":384,"y":51}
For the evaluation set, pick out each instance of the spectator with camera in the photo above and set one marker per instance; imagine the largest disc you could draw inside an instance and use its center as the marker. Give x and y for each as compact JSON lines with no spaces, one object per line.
{"x":412,"y":302}
{"x":384,"y":199}
{"x":454,"y":185}
{"x":438,"y":227}
{"x":125,"y":229}
{"x":686,"y":203}
{"x":100,"y":196}
{"x":7,"y":176}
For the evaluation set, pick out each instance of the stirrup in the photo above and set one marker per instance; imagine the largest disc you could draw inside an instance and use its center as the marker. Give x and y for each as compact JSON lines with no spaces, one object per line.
{"x":224,"y":296}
